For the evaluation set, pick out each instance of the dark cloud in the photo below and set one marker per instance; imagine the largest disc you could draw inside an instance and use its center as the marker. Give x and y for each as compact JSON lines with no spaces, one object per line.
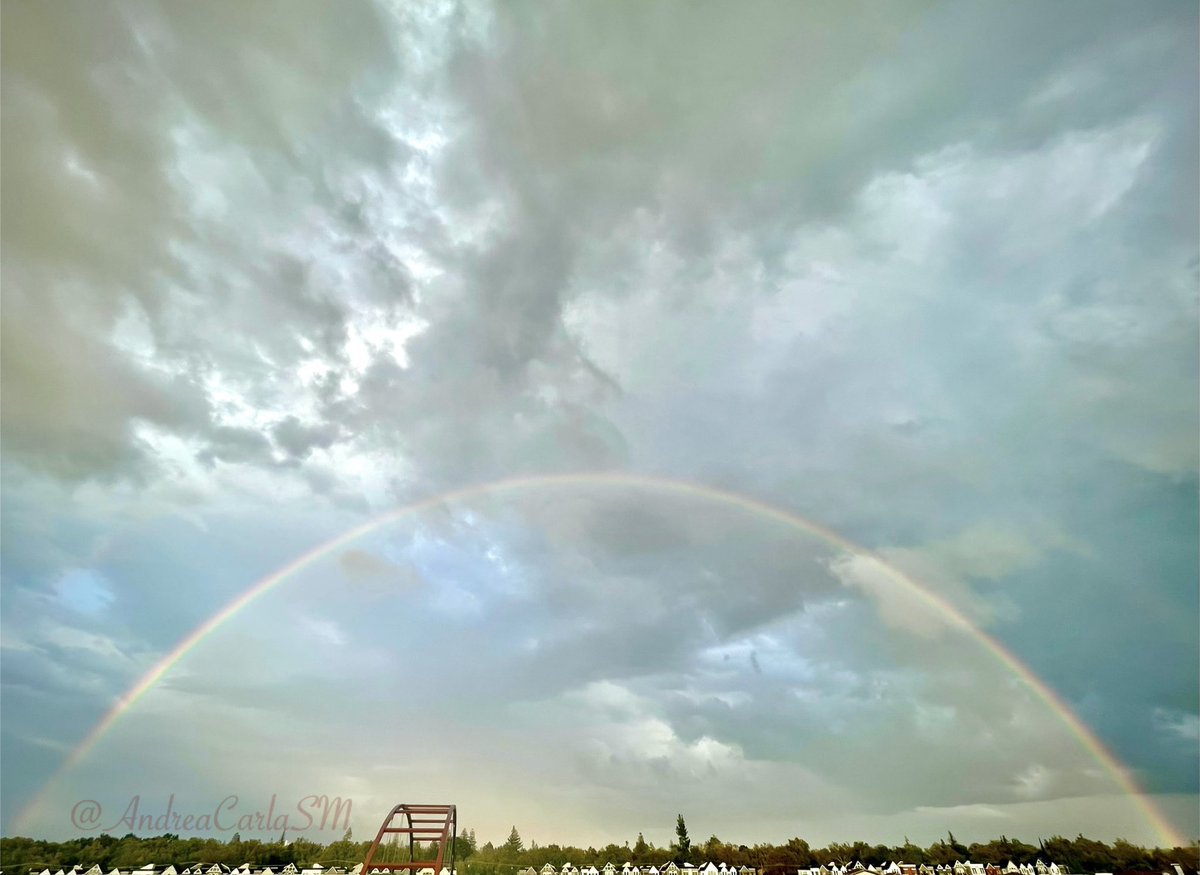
{"x":298,"y":440}
{"x":101,"y":228}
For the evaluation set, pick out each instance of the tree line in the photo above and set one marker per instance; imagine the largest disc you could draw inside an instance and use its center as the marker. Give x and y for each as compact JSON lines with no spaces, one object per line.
{"x":20,"y":856}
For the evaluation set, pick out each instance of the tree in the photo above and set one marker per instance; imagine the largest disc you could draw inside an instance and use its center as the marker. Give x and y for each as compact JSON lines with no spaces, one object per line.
{"x":514,"y":845}
{"x":717,"y":851}
{"x":683,"y":844}
{"x":464,"y":845}
{"x":641,"y":850}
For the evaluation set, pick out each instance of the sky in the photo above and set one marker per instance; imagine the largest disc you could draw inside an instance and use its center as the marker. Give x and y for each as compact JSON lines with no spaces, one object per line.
{"x":754,"y":366}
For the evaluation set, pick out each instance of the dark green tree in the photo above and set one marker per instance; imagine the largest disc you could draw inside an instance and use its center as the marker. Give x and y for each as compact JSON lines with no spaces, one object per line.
{"x":641,"y":850}
{"x":514,"y":845}
{"x":683,"y":844}
{"x":464,"y":845}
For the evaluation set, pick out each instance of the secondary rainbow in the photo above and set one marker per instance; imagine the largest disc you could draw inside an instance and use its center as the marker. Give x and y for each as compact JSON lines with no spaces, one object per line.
{"x":662,"y":485}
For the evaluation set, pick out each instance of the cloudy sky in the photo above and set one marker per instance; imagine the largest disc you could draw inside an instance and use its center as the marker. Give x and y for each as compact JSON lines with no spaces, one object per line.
{"x":923,"y":275}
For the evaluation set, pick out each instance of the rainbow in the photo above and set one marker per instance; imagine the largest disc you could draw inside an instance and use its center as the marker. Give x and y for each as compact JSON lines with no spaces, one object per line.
{"x":663,"y":486}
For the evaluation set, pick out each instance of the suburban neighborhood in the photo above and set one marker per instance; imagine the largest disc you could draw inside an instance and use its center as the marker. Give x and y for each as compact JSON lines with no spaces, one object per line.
{"x":669,"y":868}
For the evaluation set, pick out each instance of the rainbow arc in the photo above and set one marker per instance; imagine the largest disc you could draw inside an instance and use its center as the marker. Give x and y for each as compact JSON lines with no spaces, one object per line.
{"x":949,"y":613}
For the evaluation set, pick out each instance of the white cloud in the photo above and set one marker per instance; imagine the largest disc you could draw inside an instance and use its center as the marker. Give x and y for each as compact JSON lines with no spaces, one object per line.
{"x":1180,"y":726}
{"x":325,"y":631}
{"x":900,"y":602}
{"x":627,"y":737}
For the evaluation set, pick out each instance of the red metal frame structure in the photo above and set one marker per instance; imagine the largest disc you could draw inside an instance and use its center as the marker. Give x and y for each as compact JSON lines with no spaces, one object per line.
{"x":425,"y":823}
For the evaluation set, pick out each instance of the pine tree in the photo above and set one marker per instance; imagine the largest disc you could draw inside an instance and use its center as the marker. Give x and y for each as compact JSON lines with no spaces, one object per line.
{"x":514,"y":845}
{"x":683,"y":843}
